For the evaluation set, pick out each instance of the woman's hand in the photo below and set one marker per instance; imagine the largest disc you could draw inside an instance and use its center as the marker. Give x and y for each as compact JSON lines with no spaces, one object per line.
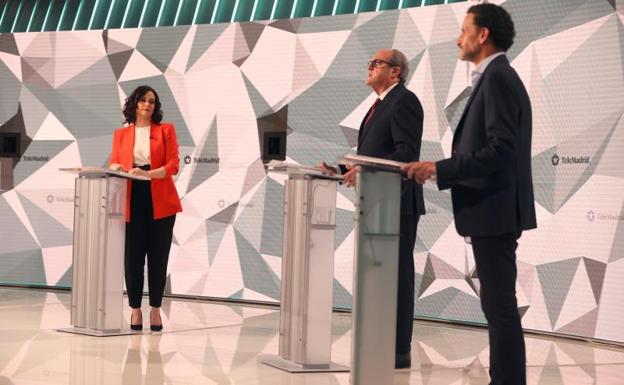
{"x":139,"y":172}
{"x":116,"y":167}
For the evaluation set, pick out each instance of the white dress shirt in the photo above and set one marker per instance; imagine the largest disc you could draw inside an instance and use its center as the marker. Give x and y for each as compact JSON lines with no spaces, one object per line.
{"x":480,"y":69}
{"x":141,"y":145}
{"x":387,"y":91}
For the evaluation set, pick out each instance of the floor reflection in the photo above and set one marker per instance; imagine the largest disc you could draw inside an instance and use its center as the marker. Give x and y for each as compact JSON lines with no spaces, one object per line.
{"x":216,"y":343}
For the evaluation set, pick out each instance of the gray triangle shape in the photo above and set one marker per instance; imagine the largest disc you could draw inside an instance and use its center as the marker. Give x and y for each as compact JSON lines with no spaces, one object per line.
{"x":256,"y":173}
{"x":433,"y":305}
{"x":250,"y":218}
{"x":444,"y":270}
{"x":257,"y":275}
{"x":585,"y":325}
{"x":214,"y":236}
{"x":462,"y":307}
{"x":544,"y":167}
{"x":272,"y":219}
{"x":22,"y":268}
{"x":38,"y":153}
{"x":95,"y":151}
{"x":344,"y":226}
{"x":259,"y":104}
{"x":237,"y":295}
{"x":151,"y":45}
{"x":205,"y":36}
{"x":8,"y":45}
{"x":288,"y":25}
{"x":207,"y":164}
{"x":617,"y":248}
{"x":199,"y":286}
{"x":342,"y":299}
{"x":596,"y":273}
{"x":226,"y":215}
{"x":351,"y":135}
{"x":66,"y":279}
{"x":428,"y":276}
{"x":543,"y":19}
{"x":49,"y":231}
{"x":10,"y":95}
{"x":594,"y":132}
{"x":456,"y":108}
{"x":377,"y":32}
{"x":118,"y":62}
{"x":555,"y":280}
{"x":252,"y":32}
{"x":343,"y":22}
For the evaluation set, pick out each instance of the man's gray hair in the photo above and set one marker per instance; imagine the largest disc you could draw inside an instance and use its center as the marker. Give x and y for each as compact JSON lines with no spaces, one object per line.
{"x":398,"y":59}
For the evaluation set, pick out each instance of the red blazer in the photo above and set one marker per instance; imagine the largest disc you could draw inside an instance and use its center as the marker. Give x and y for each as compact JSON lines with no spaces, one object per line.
{"x":163,"y":152}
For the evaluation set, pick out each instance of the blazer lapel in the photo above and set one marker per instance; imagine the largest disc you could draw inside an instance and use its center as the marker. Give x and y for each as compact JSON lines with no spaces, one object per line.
{"x":129,"y":147}
{"x":379,"y":111}
{"x":474,"y":93}
{"x":153,"y":142}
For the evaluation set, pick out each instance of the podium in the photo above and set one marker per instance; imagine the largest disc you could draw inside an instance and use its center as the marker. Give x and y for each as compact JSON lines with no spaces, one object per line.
{"x":98,"y":251}
{"x":377,"y":217}
{"x":307,"y":271}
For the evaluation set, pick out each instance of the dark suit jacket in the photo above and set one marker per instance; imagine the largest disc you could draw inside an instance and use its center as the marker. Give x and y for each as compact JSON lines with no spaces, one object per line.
{"x":489,"y":172}
{"x":395,"y":132}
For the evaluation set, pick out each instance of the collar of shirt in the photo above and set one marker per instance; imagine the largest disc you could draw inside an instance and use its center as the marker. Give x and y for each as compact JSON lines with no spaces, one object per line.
{"x":387,"y":91}
{"x":484,"y":63}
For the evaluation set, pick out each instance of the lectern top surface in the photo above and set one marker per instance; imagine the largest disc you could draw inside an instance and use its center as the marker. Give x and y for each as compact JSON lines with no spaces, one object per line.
{"x":372,"y":161}
{"x":297,"y":169}
{"x":99,"y":171}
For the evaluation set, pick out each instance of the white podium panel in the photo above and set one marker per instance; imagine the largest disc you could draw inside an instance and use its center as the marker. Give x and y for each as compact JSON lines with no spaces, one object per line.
{"x":307,"y":273}
{"x":378,"y":213}
{"x":98,"y":252}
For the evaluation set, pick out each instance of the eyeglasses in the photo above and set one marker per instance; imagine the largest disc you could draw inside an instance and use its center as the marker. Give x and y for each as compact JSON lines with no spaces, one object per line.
{"x":378,"y":62}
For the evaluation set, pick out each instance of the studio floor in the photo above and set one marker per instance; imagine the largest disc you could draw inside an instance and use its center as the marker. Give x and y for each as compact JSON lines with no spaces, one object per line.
{"x":218,"y":343}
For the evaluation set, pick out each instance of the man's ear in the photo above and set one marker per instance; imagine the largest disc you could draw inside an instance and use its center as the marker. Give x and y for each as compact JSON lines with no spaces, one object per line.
{"x":484,"y":34}
{"x":397,"y":71}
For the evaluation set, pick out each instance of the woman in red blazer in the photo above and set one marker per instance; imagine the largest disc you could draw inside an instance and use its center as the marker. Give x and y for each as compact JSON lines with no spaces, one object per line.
{"x":147,"y":147}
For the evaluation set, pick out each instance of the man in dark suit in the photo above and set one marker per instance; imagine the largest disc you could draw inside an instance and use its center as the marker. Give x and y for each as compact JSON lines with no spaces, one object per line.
{"x":392,"y":129}
{"x":489,"y":173}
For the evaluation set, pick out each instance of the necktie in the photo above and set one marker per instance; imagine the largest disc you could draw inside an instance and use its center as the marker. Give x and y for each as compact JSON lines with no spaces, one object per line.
{"x":371,"y":111}
{"x":474,"y":78}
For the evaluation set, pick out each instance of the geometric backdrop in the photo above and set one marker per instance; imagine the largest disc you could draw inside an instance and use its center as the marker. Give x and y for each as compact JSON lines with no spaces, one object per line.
{"x":224,"y":84}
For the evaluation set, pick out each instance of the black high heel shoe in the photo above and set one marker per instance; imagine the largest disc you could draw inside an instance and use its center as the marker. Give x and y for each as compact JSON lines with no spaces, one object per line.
{"x":136,"y":327}
{"x":157,"y":328}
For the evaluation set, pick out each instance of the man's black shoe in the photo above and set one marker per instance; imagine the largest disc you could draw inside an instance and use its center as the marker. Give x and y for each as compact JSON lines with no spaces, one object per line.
{"x":402,"y":361}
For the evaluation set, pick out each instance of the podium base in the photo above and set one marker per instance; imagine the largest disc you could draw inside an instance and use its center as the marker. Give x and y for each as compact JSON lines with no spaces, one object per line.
{"x":293,"y":367}
{"x":98,"y":333}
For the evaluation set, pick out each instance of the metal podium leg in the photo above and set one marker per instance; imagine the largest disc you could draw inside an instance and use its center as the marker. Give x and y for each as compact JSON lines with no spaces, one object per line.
{"x":98,"y":248}
{"x":307,"y":277}
{"x":378,"y":212}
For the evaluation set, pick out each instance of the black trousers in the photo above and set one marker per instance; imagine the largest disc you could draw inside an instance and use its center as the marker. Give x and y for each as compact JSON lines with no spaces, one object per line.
{"x":146,"y":236}
{"x":405,"y":294}
{"x":495,"y":259}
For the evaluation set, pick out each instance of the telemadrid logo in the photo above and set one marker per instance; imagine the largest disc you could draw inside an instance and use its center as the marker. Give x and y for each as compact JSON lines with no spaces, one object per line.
{"x":591,"y":215}
{"x":187,"y":159}
{"x":50,"y":198}
{"x":555,"y":160}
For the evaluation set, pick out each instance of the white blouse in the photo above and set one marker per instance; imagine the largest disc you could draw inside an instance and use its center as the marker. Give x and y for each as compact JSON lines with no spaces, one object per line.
{"x":141,"y":145}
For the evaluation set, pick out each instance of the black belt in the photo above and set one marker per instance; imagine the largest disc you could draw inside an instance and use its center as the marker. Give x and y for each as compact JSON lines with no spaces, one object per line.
{"x":145,"y":167}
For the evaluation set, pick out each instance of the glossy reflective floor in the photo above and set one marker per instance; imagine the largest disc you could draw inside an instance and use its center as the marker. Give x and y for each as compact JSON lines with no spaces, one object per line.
{"x":216,"y":343}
